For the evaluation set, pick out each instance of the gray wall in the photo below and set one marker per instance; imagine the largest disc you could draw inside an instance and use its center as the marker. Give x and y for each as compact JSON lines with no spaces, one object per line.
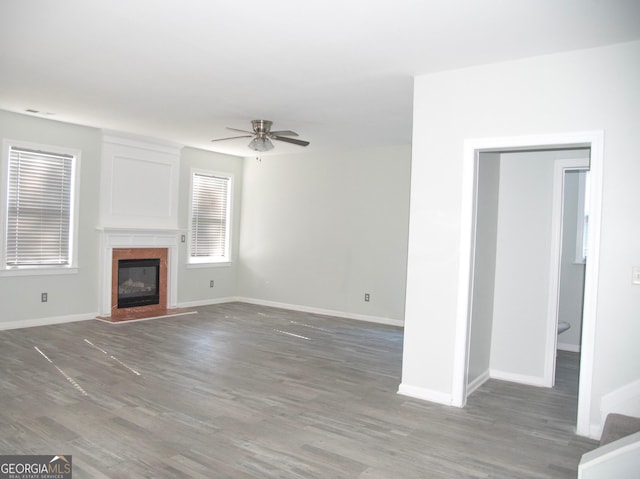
{"x":486,"y":227}
{"x":522,"y":264}
{"x":571,"y":273}
{"x":69,"y":295}
{"x":320,"y":229}
{"x":194,"y":280}
{"x":312,"y":230}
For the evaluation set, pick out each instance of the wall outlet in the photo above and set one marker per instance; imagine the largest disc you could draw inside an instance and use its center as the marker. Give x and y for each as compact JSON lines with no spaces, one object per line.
{"x":44,"y":297}
{"x":211,"y":283}
{"x":183,"y":238}
{"x":367,"y":297}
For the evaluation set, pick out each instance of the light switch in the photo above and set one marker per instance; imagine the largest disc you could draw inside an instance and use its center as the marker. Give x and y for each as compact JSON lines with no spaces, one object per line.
{"x":635,"y":275}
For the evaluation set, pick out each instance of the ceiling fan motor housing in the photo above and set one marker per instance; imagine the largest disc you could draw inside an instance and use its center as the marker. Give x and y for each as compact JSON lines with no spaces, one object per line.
{"x":261,"y":127}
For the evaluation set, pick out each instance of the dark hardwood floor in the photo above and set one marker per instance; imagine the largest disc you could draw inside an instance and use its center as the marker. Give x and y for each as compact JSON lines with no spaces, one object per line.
{"x":243,"y":391}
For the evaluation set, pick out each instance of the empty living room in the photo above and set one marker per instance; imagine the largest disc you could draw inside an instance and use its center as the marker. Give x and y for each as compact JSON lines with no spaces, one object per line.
{"x":306,"y":240}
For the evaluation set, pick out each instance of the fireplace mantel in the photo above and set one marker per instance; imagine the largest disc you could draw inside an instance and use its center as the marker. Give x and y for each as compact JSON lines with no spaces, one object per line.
{"x":112,"y":237}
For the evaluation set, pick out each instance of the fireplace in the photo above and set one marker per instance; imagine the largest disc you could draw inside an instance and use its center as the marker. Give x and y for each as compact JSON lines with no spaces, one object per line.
{"x":138,"y":282}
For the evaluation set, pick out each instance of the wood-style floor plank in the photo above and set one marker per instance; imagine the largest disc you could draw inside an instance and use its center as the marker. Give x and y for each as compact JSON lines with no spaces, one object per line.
{"x":245,"y":391}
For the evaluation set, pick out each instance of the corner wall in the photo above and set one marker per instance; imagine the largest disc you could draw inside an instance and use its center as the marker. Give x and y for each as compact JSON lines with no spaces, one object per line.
{"x":321,"y":229}
{"x":586,"y":90}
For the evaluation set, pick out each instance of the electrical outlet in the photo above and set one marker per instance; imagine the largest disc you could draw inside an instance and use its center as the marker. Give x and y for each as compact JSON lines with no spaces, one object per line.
{"x":211,"y":284}
{"x":183,"y":238}
{"x":367,"y":297}
{"x":44,"y":297}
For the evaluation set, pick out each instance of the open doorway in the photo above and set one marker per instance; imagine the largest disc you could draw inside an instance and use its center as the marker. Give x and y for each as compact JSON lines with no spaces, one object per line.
{"x":540,"y":371}
{"x":518,"y":292}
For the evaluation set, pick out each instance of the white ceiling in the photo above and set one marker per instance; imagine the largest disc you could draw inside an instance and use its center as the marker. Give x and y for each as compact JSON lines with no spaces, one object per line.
{"x":337,"y":72}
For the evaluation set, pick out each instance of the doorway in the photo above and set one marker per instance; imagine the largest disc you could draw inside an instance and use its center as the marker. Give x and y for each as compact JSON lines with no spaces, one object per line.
{"x":465,"y":327}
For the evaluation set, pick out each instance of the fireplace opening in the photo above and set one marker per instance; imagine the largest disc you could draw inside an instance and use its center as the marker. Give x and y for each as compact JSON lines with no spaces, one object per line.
{"x":138,"y":282}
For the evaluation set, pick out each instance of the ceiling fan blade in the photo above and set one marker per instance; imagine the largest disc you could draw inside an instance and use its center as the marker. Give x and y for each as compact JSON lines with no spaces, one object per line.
{"x":284,"y":133}
{"x":290,"y":140}
{"x":232,"y":137}
{"x":243,"y":131}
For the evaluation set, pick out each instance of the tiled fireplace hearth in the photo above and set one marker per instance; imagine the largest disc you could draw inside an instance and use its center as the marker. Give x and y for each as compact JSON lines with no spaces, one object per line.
{"x":128,"y":244}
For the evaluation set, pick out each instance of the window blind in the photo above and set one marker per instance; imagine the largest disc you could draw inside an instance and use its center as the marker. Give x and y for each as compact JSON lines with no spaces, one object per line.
{"x":38,"y":208}
{"x":209,"y":216}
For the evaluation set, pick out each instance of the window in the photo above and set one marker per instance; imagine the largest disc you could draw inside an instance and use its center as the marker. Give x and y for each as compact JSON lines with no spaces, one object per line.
{"x":210,"y":217}
{"x":38,"y":208}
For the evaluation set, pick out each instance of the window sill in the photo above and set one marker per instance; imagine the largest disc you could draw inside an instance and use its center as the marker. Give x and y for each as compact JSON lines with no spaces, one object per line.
{"x":38,"y":271}
{"x":213,"y":264}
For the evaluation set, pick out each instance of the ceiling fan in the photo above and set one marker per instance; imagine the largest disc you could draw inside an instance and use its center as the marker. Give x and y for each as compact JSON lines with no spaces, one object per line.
{"x":262,"y":136}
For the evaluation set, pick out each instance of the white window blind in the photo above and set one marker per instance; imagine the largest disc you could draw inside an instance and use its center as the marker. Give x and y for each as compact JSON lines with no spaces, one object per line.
{"x":39,"y":191}
{"x":210,"y":211}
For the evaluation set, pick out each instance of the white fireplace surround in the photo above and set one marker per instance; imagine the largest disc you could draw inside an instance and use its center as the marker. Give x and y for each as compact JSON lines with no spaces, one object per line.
{"x":137,"y":238}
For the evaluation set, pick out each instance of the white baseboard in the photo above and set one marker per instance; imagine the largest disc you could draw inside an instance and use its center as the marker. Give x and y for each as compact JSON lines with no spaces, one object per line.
{"x":324,"y":312}
{"x":572,"y":348}
{"x":30,"y":323}
{"x":624,"y":400}
{"x":477,"y":382}
{"x":425,"y":394}
{"x":207,"y":302}
{"x":518,"y":378}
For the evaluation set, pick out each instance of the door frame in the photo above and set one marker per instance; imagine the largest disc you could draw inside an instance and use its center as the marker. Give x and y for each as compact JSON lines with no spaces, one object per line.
{"x":472,"y":147}
{"x":560,"y":168}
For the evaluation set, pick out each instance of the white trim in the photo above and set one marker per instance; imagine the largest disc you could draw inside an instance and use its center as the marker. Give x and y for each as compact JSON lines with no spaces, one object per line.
{"x":560,"y":167}
{"x":212,"y":260}
{"x":30,"y":323}
{"x":138,"y":238}
{"x":593,"y":139}
{"x":72,"y":268}
{"x":624,"y":400}
{"x":207,"y":302}
{"x":626,"y":449}
{"x":572,"y":348}
{"x":592,"y":271}
{"x":168,"y":315}
{"x":324,"y":312}
{"x":479,"y":381}
{"x":425,"y":394}
{"x":518,"y":378}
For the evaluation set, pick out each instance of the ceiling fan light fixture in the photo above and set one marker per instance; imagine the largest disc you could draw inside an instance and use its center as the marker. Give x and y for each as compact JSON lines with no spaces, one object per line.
{"x":261,"y":144}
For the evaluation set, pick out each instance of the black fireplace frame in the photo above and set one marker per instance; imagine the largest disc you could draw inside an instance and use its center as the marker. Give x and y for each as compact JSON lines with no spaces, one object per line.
{"x":142,"y":299}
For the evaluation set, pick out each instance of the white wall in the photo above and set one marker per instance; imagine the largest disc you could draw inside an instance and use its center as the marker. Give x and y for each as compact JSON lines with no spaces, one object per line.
{"x":70,"y":296}
{"x":571,"y":272}
{"x":488,"y":187}
{"x":321,"y":229}
{"x":583,"y":90}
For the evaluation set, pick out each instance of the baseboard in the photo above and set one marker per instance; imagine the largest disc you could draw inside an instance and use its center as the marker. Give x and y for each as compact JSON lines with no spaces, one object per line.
{"x":572,"y":348}
{"x":30,"y":323}
{"x":207,"y":302}
{"x":477,"y":382}
{"x":624,"y":400}
{"x":517,"y":378}
{"x":324,"y":312}
{"x":425,"y":394}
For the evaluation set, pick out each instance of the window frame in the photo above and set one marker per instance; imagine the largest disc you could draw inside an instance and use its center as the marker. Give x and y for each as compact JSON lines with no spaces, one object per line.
{"x":40,"y":269}
{"x":209,"y":261}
